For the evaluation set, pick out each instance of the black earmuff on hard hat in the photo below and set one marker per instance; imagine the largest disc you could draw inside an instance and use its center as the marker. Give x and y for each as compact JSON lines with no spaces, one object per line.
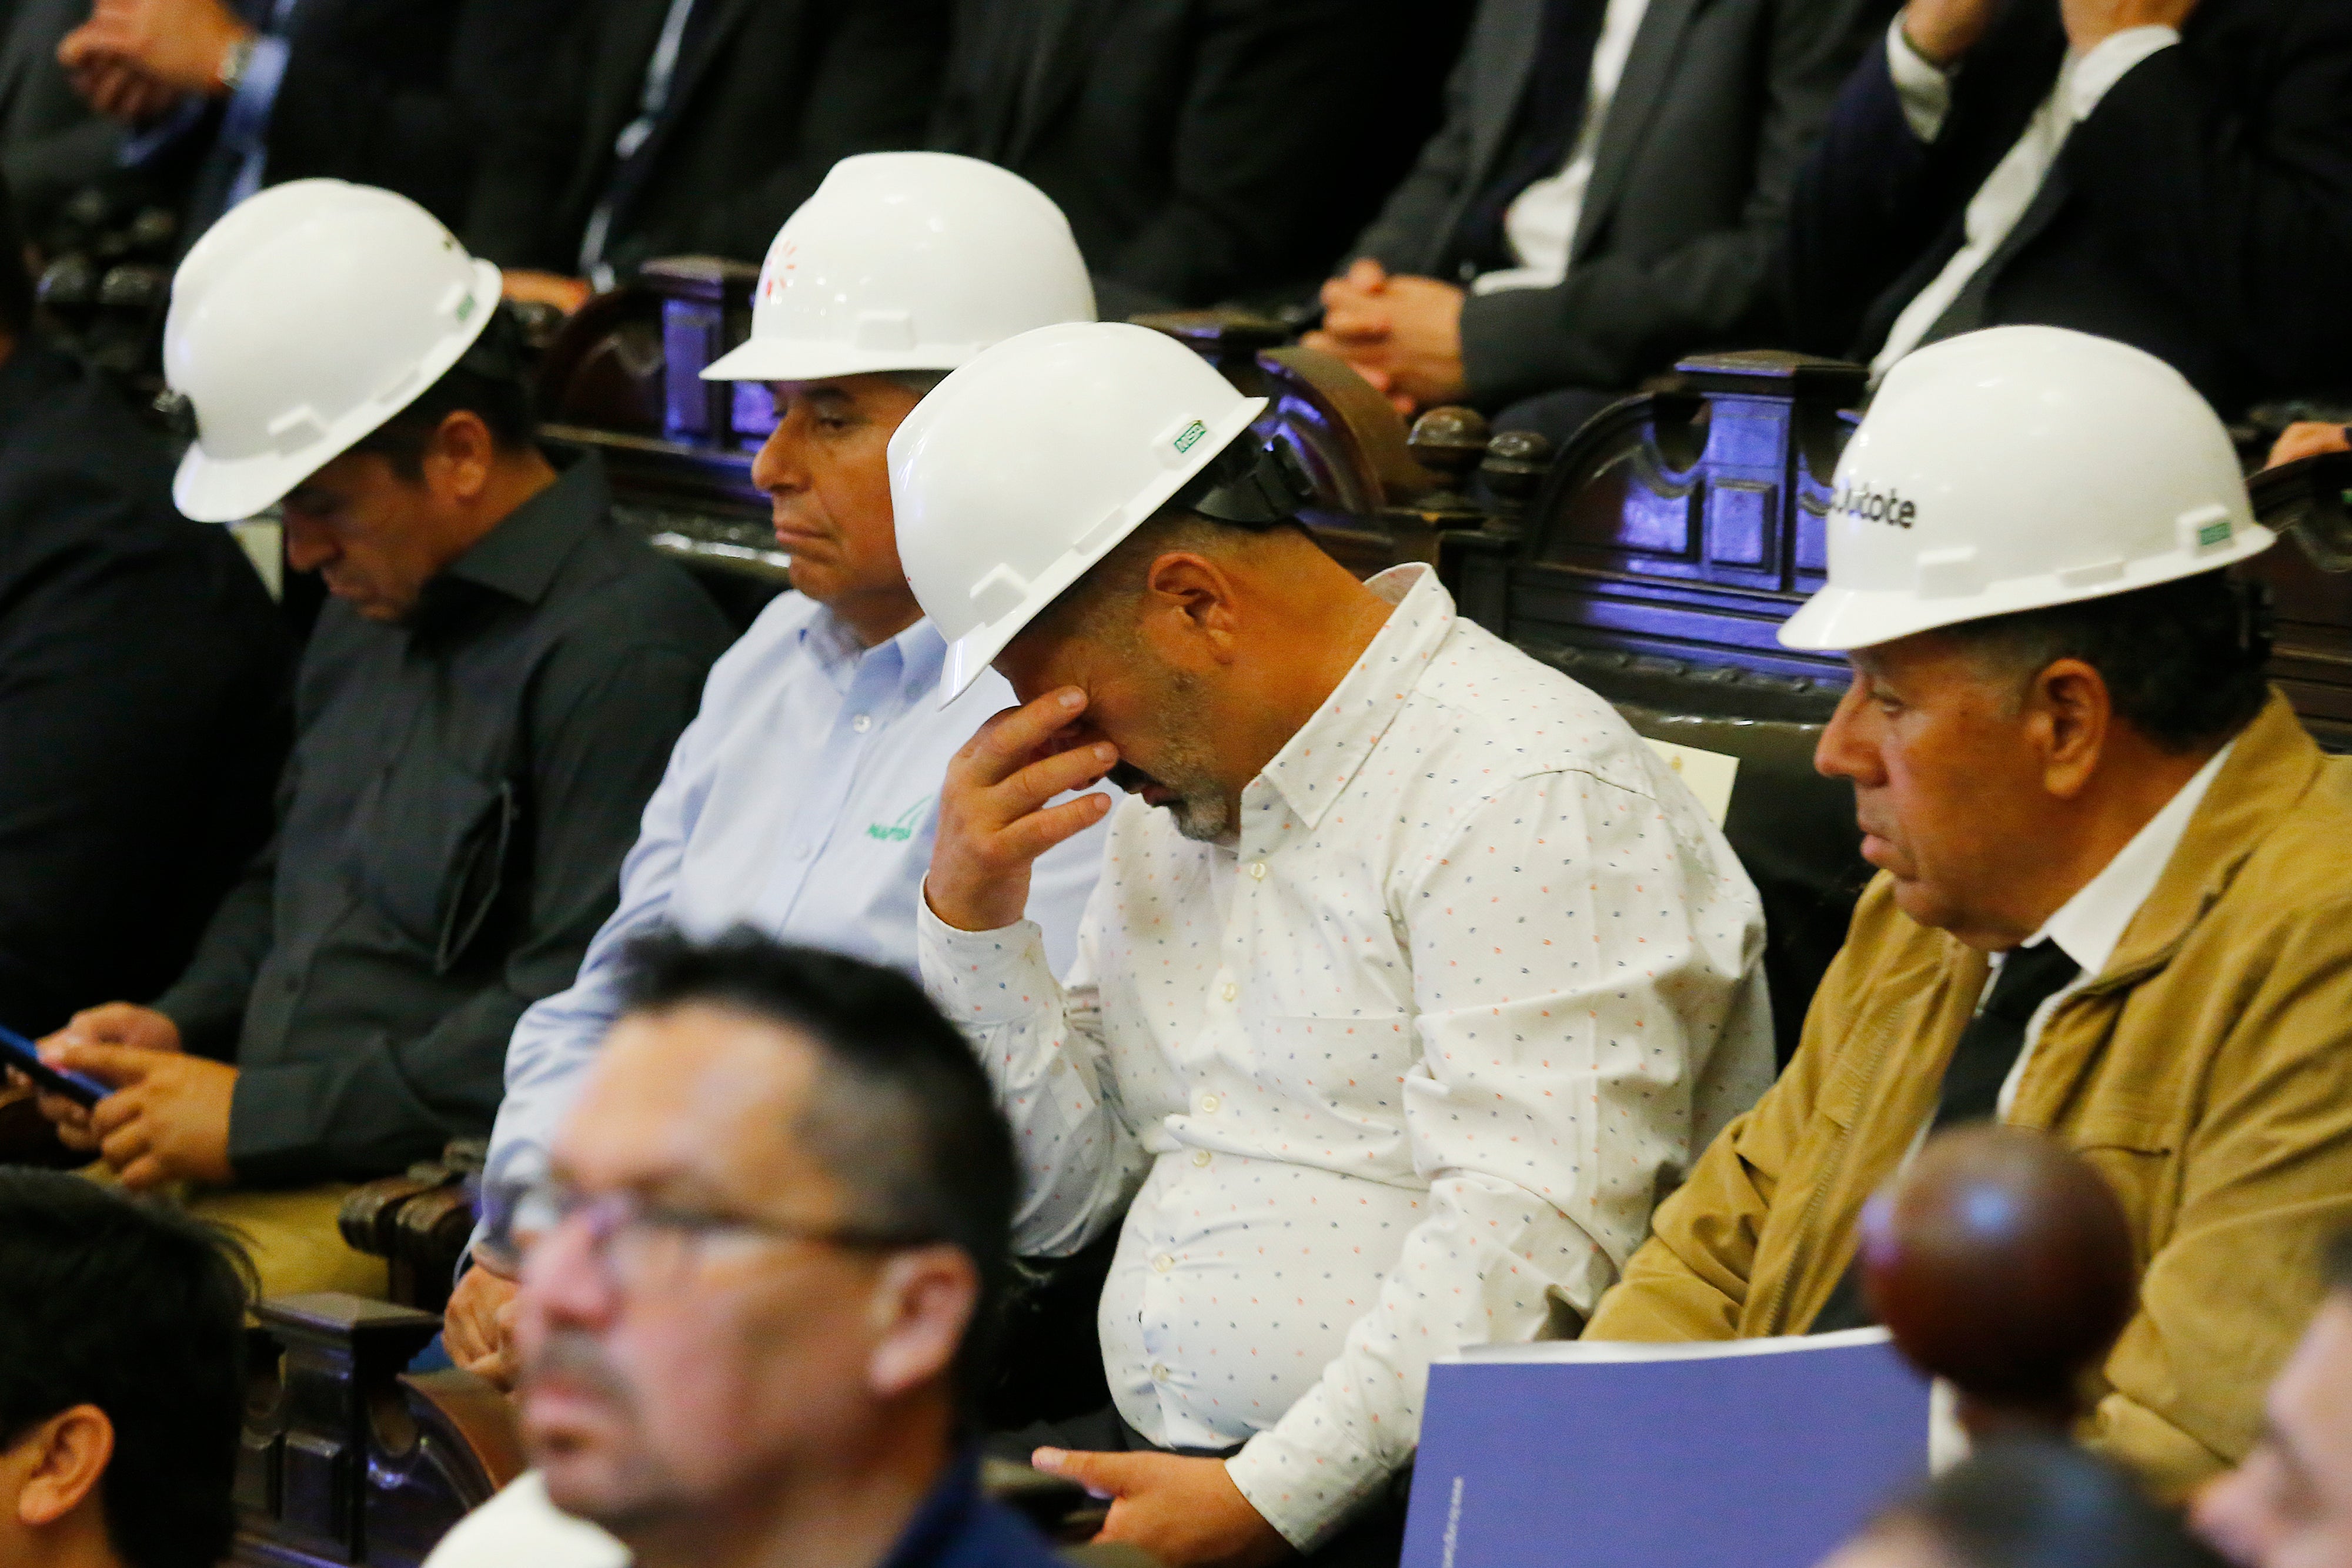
{"x":1250,"y":483}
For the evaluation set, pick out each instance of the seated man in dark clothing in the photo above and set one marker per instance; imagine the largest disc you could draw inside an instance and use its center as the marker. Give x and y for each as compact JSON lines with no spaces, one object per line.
{"x":233,"y":95}
{"x":122,"y":1381}
{"x":480,"y":716}
{"x":1203,"y":150}
{"x":142,"y":692}
{"x":1607,"y":196}
{"x":2172,"y":174}
{"x":695,"y":127}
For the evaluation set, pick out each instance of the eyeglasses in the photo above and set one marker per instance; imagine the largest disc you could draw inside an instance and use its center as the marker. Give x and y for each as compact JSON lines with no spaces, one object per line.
{"x":644,"y":1245}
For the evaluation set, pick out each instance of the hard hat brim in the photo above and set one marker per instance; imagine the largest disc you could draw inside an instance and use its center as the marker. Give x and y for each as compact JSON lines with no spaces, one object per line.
{"x":796,"y":359}
{"x":1840,"y":620}
{"x":973,"y":653}
{"x":210,"y":489}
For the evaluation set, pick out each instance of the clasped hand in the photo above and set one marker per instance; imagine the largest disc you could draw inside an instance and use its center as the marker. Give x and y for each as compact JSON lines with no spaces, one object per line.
{"x":1186,"y":1513}
{"x":167,"y":1119}
{"x":1401,"y":334}
{"x":135,"y":58}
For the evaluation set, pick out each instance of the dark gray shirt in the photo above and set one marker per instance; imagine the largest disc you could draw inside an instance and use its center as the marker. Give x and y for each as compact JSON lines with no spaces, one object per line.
{"x":451,"y":827}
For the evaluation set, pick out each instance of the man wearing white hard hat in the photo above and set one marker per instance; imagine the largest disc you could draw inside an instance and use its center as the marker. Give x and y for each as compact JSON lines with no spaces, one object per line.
{"x":482,"y":713}
{"x":804,"y":797}
{"x":1414,"y":975}
{"x":2115,"y":898}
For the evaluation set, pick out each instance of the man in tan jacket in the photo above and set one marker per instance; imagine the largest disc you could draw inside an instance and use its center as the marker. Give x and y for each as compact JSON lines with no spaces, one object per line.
{"x":2115,"y":897}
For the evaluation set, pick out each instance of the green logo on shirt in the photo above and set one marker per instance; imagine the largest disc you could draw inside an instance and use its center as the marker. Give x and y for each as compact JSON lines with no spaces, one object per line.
{"x":899,"y":831}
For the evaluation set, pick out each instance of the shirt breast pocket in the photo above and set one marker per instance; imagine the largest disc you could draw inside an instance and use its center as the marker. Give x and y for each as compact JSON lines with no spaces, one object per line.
{"x":433,"y":856}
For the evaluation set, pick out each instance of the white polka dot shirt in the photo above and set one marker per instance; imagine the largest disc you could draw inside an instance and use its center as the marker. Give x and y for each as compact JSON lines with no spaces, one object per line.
{"x":1403,"y":1073}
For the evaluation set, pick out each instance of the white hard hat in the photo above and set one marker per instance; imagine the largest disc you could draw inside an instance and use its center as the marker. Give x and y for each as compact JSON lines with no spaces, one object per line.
{"x":1026,"y":467}
{"x":908,"y":261}
{"x":2019,"y":467}
{"x":303,"y":321}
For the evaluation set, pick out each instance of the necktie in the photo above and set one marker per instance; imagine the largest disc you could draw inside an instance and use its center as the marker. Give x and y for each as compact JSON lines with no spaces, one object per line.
{"x":1981,"y":1064}
{"x":1543,"y":130}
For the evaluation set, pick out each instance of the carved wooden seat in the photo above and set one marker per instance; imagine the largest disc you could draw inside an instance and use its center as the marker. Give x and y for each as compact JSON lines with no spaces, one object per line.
{"x":419,"y":1222}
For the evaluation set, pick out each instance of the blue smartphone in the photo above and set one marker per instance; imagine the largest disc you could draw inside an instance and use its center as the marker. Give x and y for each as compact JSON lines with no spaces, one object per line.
{"x":18,"y":1052}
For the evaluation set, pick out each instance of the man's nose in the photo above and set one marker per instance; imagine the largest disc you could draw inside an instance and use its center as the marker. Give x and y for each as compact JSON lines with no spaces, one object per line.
{"x":778,"y":468}
{"x":1842,"y":751}
{"x":309,"y":547}
{"x":565,"y":1282}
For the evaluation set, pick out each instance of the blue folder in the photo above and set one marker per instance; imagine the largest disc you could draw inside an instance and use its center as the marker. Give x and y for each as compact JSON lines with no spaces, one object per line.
{"x":1757,"y":1453}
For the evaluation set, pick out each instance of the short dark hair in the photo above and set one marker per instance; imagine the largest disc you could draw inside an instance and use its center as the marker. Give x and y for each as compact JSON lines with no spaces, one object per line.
{"x":2183,"y":661}
{"x":2039,"y":1502}
{"x":132,"y":1307}
{"x":905,"y":1117}
{"x":15,"y":283}
{"x":492,"y":382}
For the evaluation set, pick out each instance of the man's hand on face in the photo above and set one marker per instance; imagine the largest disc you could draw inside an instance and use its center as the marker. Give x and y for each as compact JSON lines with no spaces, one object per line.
{"x":2090,"y":23}
{"x":1401,"y":334}
{"x":1944,"y":30}
{"x":994,"y":818}
{"x":566,"y":294}
{"x":1186,"y":1513}
{"x":167,"y":1119}
{"x":178,"y":45}
{"x":478,"y":1329}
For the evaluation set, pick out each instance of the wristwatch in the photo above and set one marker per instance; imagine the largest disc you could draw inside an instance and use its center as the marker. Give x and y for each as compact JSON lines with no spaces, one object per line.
{"x":235,"y":61}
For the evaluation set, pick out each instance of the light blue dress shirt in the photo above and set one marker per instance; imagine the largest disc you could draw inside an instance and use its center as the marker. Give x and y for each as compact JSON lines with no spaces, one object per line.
{"x":803,"y":800}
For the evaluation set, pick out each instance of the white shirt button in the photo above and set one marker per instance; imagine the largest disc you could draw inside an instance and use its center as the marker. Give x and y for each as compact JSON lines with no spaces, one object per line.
{"x":1200,"y":1156}
{"x":1258,"y":871}
{"x":1209,"y":1105}
{"x":1061,"y":1065}
{"x":1163,"y":1263}
{"x":801,"y":850}
{"x":1230,"y":991}
{"x":862,"y":723}
{"x":1159,"y":1372}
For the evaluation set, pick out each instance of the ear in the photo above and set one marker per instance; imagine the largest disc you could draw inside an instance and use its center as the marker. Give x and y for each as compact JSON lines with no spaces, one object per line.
{"x":458,"y":462}
{"x":922,"y":1305}
{"x":71,"y":1450}
{"x":1191,"y":610}
{"x":2068,"y":711}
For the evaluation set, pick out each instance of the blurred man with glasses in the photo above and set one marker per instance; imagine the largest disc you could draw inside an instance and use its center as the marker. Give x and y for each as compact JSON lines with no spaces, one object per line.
{"x":751,"y":1276}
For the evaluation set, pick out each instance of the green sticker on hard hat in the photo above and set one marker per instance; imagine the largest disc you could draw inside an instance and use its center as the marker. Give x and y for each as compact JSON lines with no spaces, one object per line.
{"x":465,"y":310}
{"x":2215,"y":533}
{"x":1190,"y":435}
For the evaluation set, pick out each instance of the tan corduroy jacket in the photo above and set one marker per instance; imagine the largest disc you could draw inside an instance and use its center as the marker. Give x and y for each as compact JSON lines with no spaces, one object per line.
{"x":2207,"y":1073}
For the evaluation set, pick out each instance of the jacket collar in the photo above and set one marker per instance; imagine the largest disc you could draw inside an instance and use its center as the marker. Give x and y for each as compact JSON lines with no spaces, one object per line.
{"x":2270,"y":770}
{"x":1315,"y":767}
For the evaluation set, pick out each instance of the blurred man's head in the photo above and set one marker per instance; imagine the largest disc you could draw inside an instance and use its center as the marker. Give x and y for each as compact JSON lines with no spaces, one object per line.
{"x":1994,"y":761}
{"x":774,"y":1215}
{"x":2027,"y":1504}
{"x":2290,"y":1504}
{"x":122,"y":1380}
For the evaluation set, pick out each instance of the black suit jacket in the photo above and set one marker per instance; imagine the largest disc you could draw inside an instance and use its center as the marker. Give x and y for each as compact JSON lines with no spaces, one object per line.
{"x":771,"y":95}
{"x":2203,"y":212}
{"x":1676,"y":248}
{"x":1203,"y":150}
{"x":142,"y":702}
{"x":405,"y":93}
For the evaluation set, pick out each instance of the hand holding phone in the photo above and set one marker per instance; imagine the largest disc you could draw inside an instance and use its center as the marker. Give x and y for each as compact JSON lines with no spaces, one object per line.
{"x":20,"y":1053}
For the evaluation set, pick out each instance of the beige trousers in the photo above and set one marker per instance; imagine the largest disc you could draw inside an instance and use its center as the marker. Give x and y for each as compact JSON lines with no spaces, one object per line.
{"x":290,"y":1234}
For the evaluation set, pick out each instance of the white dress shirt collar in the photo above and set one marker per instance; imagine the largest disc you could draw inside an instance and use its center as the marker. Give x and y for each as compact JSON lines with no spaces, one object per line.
{"x":2091,"y":925}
